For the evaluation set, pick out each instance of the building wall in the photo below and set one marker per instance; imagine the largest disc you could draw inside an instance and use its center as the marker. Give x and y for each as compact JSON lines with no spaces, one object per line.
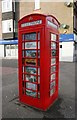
{"x":0,"y":22}
{"x":63,"y":13}
{"x":63,"y":54}
{"x":26,"y":8}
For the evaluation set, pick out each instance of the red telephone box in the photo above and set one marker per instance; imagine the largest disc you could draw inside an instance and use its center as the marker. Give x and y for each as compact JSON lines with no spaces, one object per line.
{"x":38,"y":60}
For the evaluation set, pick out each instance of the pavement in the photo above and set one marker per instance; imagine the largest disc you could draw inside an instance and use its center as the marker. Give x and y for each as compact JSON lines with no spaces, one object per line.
{"x":64,"y":107}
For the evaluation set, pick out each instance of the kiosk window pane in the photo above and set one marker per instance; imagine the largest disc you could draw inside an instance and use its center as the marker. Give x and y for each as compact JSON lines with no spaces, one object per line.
{"x":38,"y":71}
{"x":30,"y":45}
{"x":38,"y":45}
{"x":38,"y":35}
{"x":53,"y":52}
{"x":52,"y":85}
{"x":53,"y":37}
{"x":53,"y":76}
{"x":31,"y":53}
{"x":53,"y":45}
{"x":53,"y":61}
{"x":52,"y":91}
{"x":31,"y":86}
{"x":30,"y":61}
{"x":31,"y":78}
{"x":53,"y":69}
{"x":30,"y":36}
{"x":22,"y":53}
{"x":31,"y":70}
{"x":31,"y":93}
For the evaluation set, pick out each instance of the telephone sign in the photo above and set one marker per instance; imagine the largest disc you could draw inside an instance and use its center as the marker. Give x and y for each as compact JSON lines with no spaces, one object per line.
{"x":38,"y":60}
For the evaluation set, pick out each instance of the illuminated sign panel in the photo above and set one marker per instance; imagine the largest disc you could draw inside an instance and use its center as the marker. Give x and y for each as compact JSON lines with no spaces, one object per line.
{"x":52,"y":24}
{"x":31,"y":23}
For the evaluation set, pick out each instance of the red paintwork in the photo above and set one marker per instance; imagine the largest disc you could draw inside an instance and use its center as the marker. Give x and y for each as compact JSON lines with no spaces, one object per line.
{"x":45,"y":60}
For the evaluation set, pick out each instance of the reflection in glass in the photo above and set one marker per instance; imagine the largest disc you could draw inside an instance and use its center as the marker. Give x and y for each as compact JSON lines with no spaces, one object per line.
{"x":23,"y":37}
{"x":38,"y":35}
{"x":53,"y":37}
{"x":53,"y":45}
{"x":53,"y":61}
{"x":52,"y":91}
{"x":38,"y":62}
{"x":23,"y":76}
{"x":53,"y":52}
{"x":30,"y":36}
{"x":30,"y":45}
{"x":31,"y":70}
{"x":38,"y":71}
{"x":38,"y":45}
{"x":22,"y":45}
{"x":53,"y":76}
{"x":52,"y":84}
{"x":31,"y":86}
{"x":38,"y":94}
{"x":23,"y":53}
{"x":53,"y":69}
{"x":38,"y":79}
{"x":23,"y":69}
{"x":31,"y":93}
{"x":31,"y":78}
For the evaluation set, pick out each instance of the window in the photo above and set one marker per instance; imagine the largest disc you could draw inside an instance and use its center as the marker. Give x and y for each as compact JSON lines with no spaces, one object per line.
{"x":6,"y":6}
{"x":60,"y":46}
{"x":37,"y":4}
{"x":9,"y":26}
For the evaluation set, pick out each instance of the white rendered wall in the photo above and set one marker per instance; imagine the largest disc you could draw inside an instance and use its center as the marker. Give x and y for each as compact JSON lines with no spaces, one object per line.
{"x":1,"y":50}
{"x":66,"y":52}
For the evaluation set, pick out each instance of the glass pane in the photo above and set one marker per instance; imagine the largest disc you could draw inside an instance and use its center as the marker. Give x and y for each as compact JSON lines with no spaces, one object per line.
{"x":53,"y":52}
{"x":52,"y":91}
{"x":38,"y":45}
{"x":22,"y":53}
{"x":22,"y":45}
{"x":38,"y":62}
{"x":53,"y":61}
{"x":23,"y":76}
{"x":31,"y":53}
{"x":38,"y":71}
{"x":53,"y":76}
{"x":38,"y":94}
{"x":31,"y":86}
{"x":53,"y":37}
{"x":31,"y":70}
{"x":53,"y":45}
{"x":23,"y":37}
{"x":53,"y":69}
{"x":38,"y":79}
{"x":30,"y":45}
{"x":23,"y":70}
{"x":31,"y":78}
{"x":52,"y":84}
{"x":31,"y":93}
{"x":30,"y":61}
{"x":38,"y":35}
{"x":30,"y":36}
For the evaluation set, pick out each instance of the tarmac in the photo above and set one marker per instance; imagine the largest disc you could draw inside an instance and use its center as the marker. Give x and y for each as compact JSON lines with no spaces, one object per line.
{"x":64,"y":107}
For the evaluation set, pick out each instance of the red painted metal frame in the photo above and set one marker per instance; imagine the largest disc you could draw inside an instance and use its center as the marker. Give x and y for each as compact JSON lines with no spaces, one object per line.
{"x":45,"y":100}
